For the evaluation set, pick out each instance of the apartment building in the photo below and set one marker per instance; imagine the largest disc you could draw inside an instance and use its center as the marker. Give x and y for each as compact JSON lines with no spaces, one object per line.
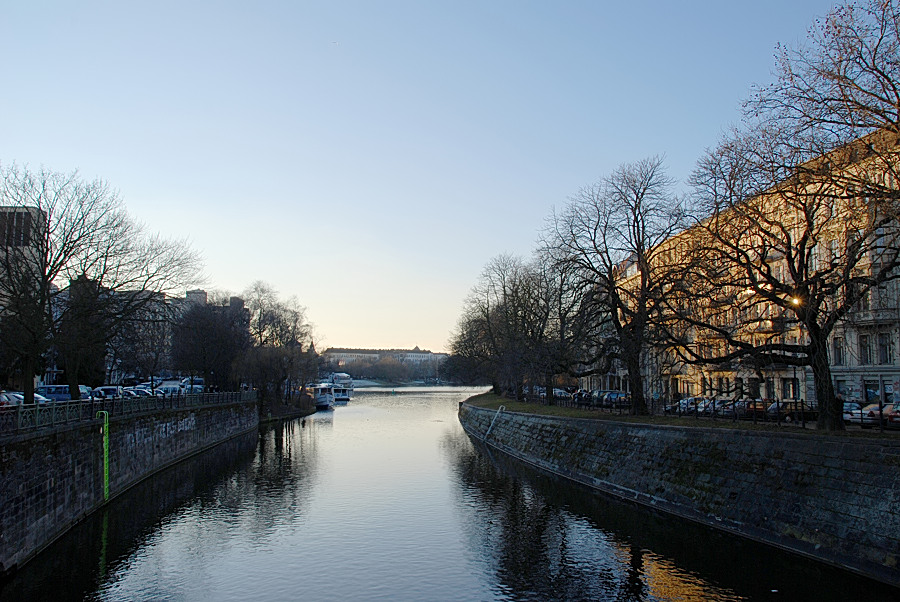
{"x":759,"y":281}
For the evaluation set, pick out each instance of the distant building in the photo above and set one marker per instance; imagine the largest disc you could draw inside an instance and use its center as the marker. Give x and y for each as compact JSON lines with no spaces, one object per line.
{"x":196,"y":297}
{"x":22,"y":230}
{"x":341,"y":357}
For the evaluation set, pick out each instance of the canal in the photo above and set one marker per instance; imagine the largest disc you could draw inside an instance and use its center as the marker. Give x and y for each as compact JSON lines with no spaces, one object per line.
{"x":388,"y":499}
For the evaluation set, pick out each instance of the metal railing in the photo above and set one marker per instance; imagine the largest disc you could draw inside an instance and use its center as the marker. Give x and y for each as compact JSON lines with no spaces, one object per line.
{"x":31,"y":417}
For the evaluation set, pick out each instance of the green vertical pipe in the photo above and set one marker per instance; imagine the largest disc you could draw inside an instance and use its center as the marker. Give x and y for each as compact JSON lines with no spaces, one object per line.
{"x":105,"y":430}
{"x":104,"y":536}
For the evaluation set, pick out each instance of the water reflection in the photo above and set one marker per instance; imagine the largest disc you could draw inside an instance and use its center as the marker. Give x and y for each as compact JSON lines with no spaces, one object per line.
{"x":388,"y":499}
{"x":73,"y":567}
{"x":550,"y":539}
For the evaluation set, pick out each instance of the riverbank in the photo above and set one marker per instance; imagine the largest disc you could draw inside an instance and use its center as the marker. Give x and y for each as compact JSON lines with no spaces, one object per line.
{"x":287,"y":410}
{"x":56,"y":476}
{"x":493,"y":401}
{"x":824,"y":497}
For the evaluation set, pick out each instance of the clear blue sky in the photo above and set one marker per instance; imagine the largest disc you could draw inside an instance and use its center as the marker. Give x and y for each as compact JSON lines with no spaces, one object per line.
{"x":370,"y":157}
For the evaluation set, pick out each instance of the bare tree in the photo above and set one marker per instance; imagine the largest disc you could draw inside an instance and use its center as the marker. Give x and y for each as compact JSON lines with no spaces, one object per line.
{"x":283,"y":354}
{"x":776,"y":272}
{"x":842,"y":84}
{"x":57,"y":228}
{"x":611,"y":234}
{"x":504,"y":323}
{"x":262,"y":301}
{"x":208,"y":340}
{"x":799,"y":209}
{"x":144,"y":343}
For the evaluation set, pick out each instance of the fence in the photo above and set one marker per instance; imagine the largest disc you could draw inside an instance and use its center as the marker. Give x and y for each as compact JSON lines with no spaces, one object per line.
{"x":32,"y":417}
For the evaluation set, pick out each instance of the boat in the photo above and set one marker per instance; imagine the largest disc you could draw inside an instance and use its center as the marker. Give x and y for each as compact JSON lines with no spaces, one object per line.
{"x":343,"y":387}
{"x":323,"y":395}
{"x":341,"y":395}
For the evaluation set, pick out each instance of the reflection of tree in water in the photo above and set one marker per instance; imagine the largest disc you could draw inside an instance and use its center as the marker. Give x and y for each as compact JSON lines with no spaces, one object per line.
{"x":87,"y":555}
{"x":237,"y":489}
{"x":252,"y":502}
{"x":539,"y":550}
{"x":547,"y":538}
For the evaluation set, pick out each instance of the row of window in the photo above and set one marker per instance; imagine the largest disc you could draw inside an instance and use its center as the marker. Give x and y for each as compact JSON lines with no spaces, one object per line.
{"x":874,"y":348}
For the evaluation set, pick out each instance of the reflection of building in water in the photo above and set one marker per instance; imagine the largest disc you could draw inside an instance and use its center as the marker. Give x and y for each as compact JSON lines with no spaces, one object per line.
{"x":665,"y":581}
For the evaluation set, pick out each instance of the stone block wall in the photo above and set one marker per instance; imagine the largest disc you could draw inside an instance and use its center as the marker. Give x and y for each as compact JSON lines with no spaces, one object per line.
{"x":828,"y":497}
{"x":52,"y":478}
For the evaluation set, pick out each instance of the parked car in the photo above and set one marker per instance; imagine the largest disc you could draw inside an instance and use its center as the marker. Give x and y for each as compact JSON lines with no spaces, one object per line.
{"x":169,"y":390}
{"x":108,"y":392}
{"x":61,"y":392}
{"x":792,"y":410}
{"x":54,"y":392}
{"x":756,"y":409}
{"x":873,"y":415}
{"x":15,"y":398}
{"x":616,"y":399}
{"x":193,"y":385}
{"x":711,"y":407}
{"x":139,"y":391}
{"x":598,"y":395}
{"x":687,"y":406}
{"x":852,"y":413}
{"x":718,"y":407}
{"x":728,"y":409}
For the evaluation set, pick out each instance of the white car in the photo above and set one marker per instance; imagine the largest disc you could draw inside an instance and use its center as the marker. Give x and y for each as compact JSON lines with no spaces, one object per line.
{"x":14,"y":398}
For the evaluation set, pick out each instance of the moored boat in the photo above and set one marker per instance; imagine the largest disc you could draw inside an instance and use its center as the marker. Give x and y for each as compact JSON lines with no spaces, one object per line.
{"x":323,"y":395}
{"x":341,"y":395}
{"x":343,"y":387}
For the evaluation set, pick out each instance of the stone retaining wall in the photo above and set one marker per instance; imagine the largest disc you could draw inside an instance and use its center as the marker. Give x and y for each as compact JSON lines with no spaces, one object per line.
{"x":834,"y":499}
{"x":51,"y":479}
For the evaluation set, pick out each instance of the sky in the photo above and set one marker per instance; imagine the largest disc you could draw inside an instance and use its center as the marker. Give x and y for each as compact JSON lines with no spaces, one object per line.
{"x":370,"y":157}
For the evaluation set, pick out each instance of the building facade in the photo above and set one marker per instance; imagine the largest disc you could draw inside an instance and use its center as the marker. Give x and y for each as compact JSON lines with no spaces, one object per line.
{"x":754,"y":284}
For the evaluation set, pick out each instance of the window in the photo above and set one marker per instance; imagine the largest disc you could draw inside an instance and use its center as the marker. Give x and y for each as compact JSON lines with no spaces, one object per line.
{"x":865,"y":349}
{"x":840,"y":387}
{"x":723,"y":386}
{"x":865,"y":302}
{"x":885,"y":349}
{"x":879,"y":245}
{"x":883,"y":297}
{"x":833,"y":253}
{"x":753,"y":388}
{"x":789,"y":388}
{"x":15,"y":228}
{"x":837,"y":351}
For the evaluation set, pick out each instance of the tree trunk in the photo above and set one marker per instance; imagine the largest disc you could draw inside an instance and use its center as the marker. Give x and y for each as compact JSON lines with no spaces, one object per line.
{"x":548,"y":389}
{"x":830,"y":408}
{"x":636,"y":385}
{"x":28,"y":371}
{"x":72,"y":369}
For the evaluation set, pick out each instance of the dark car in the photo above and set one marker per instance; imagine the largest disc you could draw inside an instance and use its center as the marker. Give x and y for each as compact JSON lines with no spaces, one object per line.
{"x":791,"y":410}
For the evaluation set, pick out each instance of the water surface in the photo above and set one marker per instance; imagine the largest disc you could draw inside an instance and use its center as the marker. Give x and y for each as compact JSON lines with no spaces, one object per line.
{"x":388,"y":499}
